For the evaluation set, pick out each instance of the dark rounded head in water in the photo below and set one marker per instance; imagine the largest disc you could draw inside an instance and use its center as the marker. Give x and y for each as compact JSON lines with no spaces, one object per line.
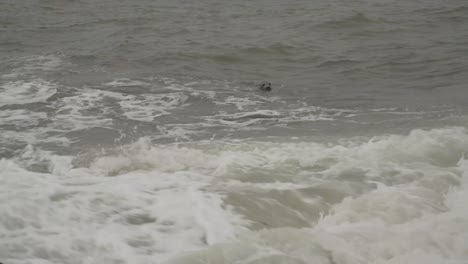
{"x":265,"y":86}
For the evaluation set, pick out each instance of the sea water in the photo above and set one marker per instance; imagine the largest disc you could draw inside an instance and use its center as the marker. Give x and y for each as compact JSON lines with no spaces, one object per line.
{"x":135,"y":132}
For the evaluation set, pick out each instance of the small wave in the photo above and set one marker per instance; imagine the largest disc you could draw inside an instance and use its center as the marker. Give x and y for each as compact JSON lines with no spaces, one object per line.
{"x":34,"y":64}
{"x":257,"y":119}
{"x":355,"y":20}
{"x":437,"y":147}
{"x":460,"y":10}
{"x":125,"y":82}
{"x":272,"y":48}
{"x":226,"y":58}
{"x":261,"y":114}
{"x":337,"y":63}
{"x":239,"y":55}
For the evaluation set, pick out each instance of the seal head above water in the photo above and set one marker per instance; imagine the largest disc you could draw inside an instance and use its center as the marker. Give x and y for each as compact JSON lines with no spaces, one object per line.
{"x":265,"y":86}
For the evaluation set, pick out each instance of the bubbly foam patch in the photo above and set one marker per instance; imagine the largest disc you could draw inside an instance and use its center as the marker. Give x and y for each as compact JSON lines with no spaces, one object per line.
{"x":87,"y":108}
{"x":21,"y":117}
{"x":77,"y":110}
{"x":147,"y":107}
{"x":26,"y":92}
{"x":240,"y":103}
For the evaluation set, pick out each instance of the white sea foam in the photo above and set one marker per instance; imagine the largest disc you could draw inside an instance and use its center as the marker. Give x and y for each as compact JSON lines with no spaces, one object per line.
{"x":390,"y":199}
{"x":21,"y":126}
{"x":31,"y":136}
{"x":35,"y":64}
{"x":175,"y":132}
{"x":124,"y":82}
{"x":283,"y":117}
{"x":83,"y":108}
{"x":241,"y":103}
{"x":86,"y":109}
{"x":25,"y":92}
{"x":147,"y":107}
{"x":21,"y":117}
{"x":423,"y":220}
{"x":139,"y":216}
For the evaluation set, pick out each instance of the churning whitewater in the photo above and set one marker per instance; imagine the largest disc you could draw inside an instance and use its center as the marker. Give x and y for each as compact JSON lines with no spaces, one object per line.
{"x":390,"y":199}
{"x":142,"y":131}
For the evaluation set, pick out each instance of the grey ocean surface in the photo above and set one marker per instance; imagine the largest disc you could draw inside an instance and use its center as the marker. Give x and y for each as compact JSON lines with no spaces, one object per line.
{"x":135,"y":132}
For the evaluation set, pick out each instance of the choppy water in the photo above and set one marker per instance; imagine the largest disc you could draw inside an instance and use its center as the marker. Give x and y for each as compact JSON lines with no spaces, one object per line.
{"x":134,"y":132}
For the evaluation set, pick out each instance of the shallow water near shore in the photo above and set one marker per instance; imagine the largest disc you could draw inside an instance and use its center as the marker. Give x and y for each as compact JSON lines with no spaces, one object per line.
{"x":135,"y":132}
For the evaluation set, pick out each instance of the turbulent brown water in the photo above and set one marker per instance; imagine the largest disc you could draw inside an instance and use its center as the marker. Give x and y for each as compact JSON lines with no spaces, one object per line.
{"x":135,"y":132}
